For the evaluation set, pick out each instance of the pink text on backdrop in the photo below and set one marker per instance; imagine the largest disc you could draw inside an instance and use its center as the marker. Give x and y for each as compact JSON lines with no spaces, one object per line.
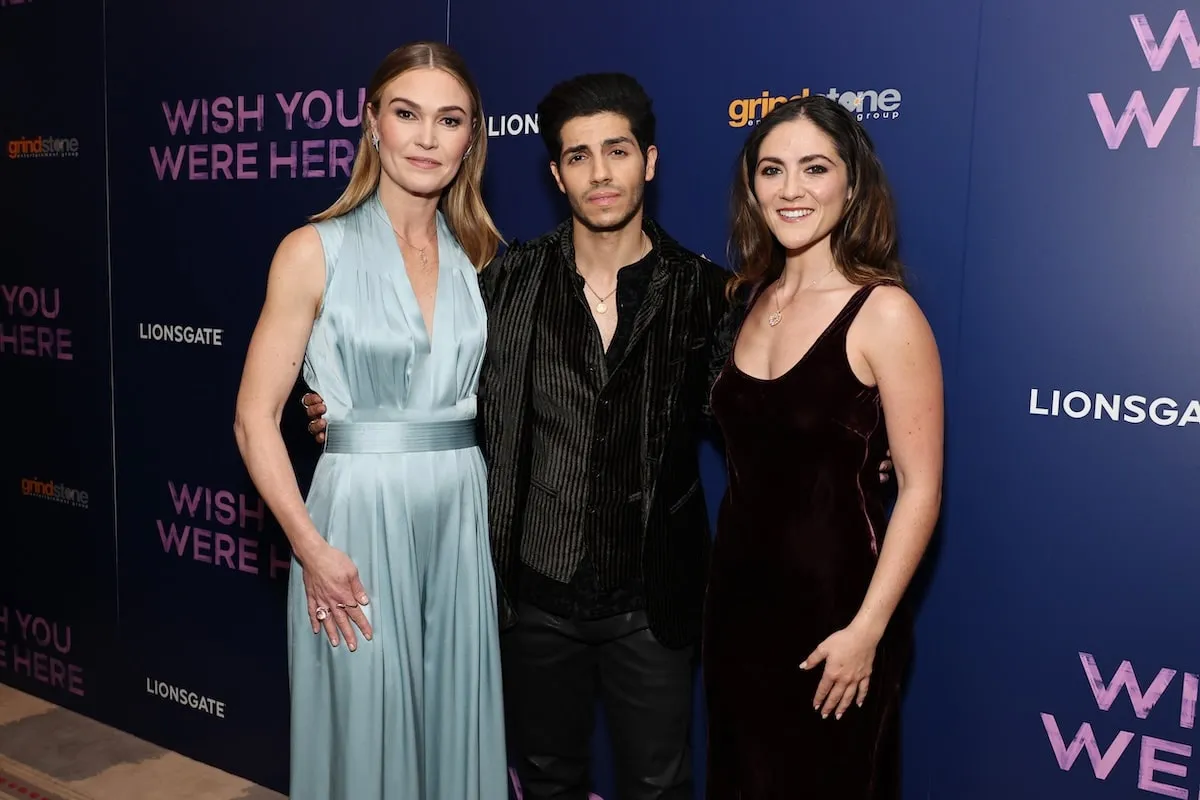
{"x":1154,"y":766}
{"x":251,"y":160}
{"x":246,"y":161}
{"x":23,"y":328}
{"x":209,"y":544}
{"x":39,"y":649}
{"x":1156,"y":52}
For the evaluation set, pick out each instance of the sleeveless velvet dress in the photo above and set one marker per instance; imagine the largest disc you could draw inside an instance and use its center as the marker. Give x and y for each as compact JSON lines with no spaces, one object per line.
{"x":798,"y":536}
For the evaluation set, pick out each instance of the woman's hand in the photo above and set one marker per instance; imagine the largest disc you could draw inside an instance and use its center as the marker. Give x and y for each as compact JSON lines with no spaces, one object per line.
{"x":335,"y":595}
{"x":849,"y":656}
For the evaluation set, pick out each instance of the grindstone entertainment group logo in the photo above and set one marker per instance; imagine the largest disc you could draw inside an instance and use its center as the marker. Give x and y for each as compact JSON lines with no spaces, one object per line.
{"x":54,"y":492}
{"x":865,"y":104}
{"x":43,"y":146}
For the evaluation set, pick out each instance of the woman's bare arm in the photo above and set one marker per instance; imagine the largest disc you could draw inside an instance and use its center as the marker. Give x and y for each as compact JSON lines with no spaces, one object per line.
{"x":294,"y":287}
{"x":899,"y":347}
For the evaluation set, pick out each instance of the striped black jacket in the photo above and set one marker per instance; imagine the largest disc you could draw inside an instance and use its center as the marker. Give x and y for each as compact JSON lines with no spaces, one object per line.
{"x":685,"y":302}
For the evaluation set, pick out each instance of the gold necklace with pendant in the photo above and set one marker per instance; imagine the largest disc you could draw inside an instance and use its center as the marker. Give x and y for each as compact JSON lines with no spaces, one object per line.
{"x":420,"y":250}
{"x":777,"y":315}
{"x":602,"y":305}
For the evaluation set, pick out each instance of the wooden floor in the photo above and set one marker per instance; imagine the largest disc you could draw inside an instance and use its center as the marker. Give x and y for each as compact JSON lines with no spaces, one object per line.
{"x":50,"y":753}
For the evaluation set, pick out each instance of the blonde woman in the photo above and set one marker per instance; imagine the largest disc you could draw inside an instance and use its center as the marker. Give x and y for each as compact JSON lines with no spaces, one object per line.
{"x":393,"y":644}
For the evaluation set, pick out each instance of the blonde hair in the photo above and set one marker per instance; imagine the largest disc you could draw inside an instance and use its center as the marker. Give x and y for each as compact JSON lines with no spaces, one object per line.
{"x":462,"y":202}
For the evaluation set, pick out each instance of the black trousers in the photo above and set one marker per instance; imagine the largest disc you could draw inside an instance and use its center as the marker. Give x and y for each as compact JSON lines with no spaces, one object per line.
{"x":554,"y":671}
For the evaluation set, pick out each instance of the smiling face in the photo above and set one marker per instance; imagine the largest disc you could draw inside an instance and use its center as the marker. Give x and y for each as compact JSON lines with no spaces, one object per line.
{"x":424,"y":129}
{"x":801,"y":184}
{"x":601,"y":170}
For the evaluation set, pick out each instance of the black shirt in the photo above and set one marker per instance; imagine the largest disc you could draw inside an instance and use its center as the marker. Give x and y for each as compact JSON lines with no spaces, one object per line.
{"x":586,"y":450}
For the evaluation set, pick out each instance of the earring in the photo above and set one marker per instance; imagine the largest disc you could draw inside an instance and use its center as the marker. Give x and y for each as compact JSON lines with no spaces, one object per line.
{"x":375,"y":140}
{"x":467,"y":153}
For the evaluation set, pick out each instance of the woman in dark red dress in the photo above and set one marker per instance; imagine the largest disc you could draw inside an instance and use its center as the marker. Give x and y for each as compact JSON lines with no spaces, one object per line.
{"x":827,"y":364}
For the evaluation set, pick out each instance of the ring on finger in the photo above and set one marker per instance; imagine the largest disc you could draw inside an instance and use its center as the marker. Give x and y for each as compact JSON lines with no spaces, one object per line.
{"x":347,"y":605}
{"x":322,"y":613}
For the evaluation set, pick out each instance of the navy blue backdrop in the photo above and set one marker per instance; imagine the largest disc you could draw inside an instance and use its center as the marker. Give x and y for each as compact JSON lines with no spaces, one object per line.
{"x":223,"y":136}
{"x":58,"y":590}
{"x":1067,"y":570}
{"x":1044,"y":161}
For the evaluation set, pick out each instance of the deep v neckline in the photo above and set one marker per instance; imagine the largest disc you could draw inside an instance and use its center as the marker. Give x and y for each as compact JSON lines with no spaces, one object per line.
{"x":821,"y":337}
{"x":428,"y":329}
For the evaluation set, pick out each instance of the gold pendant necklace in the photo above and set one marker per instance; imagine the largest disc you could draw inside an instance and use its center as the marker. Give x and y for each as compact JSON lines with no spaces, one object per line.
{"x":776,"y":316}
{"x":420,"y":250}
{"x":601,"y":307}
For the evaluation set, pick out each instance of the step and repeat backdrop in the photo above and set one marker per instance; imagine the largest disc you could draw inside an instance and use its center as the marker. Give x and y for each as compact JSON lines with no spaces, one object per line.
{"x":1058,"y":609}
{"x":1044,"y":158}
{"x":58,"y":584}
{"x":228,"y":125}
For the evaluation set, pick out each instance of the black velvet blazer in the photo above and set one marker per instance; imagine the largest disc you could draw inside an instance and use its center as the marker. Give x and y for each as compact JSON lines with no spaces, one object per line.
{"x":683,"y":306}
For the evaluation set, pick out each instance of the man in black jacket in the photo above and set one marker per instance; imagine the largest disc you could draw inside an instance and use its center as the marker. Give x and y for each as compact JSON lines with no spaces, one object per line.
{"x":591,"y":401}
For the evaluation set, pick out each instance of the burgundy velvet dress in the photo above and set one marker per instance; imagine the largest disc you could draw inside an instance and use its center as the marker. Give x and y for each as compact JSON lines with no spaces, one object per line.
{"x":798,"y":536}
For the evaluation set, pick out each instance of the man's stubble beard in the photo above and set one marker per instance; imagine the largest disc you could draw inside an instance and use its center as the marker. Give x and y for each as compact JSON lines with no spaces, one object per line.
{"x":639,"y":201}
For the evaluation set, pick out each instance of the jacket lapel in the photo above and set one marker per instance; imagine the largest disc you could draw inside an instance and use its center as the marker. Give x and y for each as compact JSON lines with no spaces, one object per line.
{"x":671,"y":293}
{"x":510,"y":336}
{"x":512,"y":296}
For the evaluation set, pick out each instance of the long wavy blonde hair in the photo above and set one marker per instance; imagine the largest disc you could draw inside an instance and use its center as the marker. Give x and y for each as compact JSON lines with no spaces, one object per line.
{"x":462,"y":201}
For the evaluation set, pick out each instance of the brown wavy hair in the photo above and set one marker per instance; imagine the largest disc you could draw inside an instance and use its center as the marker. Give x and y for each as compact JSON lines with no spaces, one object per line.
{"x":462,"y":201}
{"x":864,"y":242}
